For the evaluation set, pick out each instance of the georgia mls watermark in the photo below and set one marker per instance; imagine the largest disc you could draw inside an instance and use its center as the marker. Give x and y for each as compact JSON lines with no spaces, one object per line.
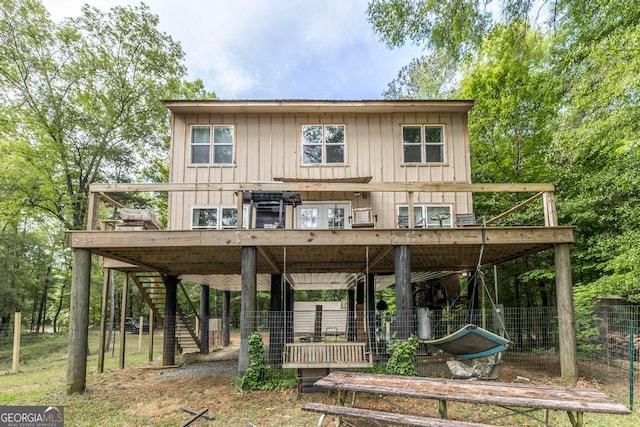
{"x":31,"y":416}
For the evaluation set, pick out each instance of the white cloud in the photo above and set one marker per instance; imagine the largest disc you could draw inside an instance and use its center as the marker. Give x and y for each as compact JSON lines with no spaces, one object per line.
{"x":274,"y":48}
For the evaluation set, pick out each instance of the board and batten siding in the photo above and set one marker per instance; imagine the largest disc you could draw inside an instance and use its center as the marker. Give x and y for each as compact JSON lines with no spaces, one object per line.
{"x":268,"y":146}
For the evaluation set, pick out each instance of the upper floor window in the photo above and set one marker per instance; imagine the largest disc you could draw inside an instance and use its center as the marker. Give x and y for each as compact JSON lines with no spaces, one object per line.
{"x":423,"y":144}
{"x":323,"y":144}
{"x":211,"y":144}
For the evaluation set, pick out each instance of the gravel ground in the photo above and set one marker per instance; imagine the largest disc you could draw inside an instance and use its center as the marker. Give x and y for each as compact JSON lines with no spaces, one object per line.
{"x":223,"y":363}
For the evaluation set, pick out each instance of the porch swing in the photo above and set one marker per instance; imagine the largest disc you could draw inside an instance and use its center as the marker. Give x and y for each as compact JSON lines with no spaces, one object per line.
{"x":314,"y":360}
{"x":477,"y":351}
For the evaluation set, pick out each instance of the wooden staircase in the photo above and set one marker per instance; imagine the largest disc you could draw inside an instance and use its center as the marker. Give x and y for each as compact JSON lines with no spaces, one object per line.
{"x":152,"y":290}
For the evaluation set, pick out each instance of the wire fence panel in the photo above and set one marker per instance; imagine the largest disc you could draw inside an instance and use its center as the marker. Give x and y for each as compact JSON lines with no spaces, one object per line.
{"x":608,"y":350}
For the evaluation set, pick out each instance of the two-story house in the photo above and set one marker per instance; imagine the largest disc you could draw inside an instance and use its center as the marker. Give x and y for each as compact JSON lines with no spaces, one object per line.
{"x":301,"y":194}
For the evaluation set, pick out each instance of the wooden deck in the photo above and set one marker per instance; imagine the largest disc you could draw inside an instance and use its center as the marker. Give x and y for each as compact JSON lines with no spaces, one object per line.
{"x":318,"y":251}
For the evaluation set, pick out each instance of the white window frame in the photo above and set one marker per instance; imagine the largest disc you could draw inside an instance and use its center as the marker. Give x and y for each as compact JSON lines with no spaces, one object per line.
{"x":219,"y":219}
{"x":322,"y":216}
{"x":424,"y":144}
{"x":211,"y":144}
{"x":324,"y":145}
{"x":423,"y":214}
{"x":205,"y":227}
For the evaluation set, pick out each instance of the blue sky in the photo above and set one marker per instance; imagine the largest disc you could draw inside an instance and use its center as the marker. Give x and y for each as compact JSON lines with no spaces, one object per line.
{"x":274,"y":49}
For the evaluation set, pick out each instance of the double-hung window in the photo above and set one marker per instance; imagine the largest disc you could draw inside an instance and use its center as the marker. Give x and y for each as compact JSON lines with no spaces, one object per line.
{"x":323,"y":144}
{"x":423,"y":143}
{"x":212,"y":144}
{"x":425,"y":216}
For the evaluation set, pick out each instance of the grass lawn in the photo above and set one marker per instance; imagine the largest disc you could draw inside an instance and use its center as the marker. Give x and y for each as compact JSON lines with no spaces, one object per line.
{"x":144,"y":394}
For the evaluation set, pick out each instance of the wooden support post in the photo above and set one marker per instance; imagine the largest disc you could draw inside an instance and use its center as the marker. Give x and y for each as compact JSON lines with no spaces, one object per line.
{"x":411,"y":218}
{"x":79,"y":321}
{"x":239,"y":209}
{"x":151,"y":331}
{"x":247,"y":304}
{"x":288,"y":308}
{"x":276,"y":321}
{"x":204,"y":319}
{"x":371,"y":312}
{"x":140,"y":333}
{"x":404,"y":297}
{"x":550,"y":214}
{"x":566,"y":328}
{"x":226,"y":320}
{"x":103,"y":320}
{"x":317,"y":324}
{"x":17,"y":326}
{"x":351,"y":315}
{"x":93,"y":208}
{"x":123,"y":319}
{"x":442,"y":409}
{"x":360,"y":335}
{"x":170,"y":309}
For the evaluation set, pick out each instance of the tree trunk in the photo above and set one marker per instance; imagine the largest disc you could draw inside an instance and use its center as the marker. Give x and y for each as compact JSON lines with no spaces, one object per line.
{"x":43,"y":305}
{"x":55,"y":318}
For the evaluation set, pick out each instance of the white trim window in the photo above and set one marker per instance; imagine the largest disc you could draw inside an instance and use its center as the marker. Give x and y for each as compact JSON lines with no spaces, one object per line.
{"x":207,"y":218}
{"x":211,"y":144}
{"x":429,"y":216}
{"x":323,"y":144}
{"x":423,"y":144}
{"x":204,"y":218}
{"x":322,"y":215}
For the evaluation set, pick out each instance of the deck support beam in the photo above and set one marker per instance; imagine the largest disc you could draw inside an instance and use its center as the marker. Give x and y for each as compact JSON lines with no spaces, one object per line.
{"x":226,"y":319}
{"x":204,"y":319}
{"x":79,"y":322}
{"x":404,"y":296}
{"x":566,"y":324}
{"x":170,"y":309}
{"x":247,"y":304}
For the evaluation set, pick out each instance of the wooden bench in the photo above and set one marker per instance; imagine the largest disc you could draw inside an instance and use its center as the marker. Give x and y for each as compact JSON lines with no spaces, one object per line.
{"x":388,"y":418}
{"x":314,"y":360}
{"x":517,"y":398}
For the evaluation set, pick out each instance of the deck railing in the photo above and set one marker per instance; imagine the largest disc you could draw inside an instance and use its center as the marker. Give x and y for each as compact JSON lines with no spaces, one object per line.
{"x":104,"y":193}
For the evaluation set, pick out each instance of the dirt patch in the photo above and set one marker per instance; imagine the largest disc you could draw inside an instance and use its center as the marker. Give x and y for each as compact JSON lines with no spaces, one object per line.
{"x":154,"y":396}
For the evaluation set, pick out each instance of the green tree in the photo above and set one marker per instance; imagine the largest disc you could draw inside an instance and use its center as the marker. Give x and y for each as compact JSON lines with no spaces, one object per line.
{"x":454,"y":26}
{"x":80,"y":102}
{"x":596,"y":142}
{"x":85,"y":100}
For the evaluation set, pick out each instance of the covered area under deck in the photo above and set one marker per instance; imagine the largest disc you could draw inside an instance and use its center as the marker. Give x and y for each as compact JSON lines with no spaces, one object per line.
{"x":240,"y":257}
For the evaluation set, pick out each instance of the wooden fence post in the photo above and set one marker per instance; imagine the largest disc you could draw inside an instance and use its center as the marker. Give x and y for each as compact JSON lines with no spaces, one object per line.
{"x":17,"y":324}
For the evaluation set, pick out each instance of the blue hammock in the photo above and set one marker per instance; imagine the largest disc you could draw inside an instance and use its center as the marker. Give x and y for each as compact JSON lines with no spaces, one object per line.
{"x":471,"y":342}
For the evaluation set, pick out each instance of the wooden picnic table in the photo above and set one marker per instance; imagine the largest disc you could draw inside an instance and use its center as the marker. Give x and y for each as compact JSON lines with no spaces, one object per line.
{"x":517,"y":397}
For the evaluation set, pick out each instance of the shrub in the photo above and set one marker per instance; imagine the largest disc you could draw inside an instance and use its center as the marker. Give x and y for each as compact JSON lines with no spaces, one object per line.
{"x":403,"y":356}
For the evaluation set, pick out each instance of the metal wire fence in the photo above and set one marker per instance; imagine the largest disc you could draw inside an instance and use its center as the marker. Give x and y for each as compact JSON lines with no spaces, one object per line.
{"x":608,"y":339}
{"x":604,"y":349}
